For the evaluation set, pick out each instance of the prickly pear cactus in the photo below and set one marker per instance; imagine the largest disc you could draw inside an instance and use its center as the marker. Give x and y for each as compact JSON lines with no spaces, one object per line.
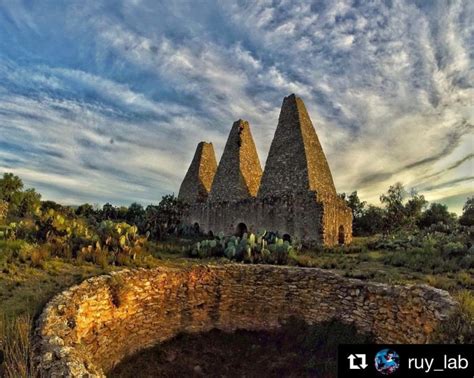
{"x":263,"y":247}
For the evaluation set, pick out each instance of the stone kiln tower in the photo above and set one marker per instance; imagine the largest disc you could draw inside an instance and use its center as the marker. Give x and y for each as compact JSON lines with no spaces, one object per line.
{"x":296,"y":161}
{"x":295,"y":195}
{"x":197,"y":183}
{"x":239,"y":172}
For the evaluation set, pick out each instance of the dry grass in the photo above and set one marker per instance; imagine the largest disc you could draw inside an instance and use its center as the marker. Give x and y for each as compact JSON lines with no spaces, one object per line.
{"x":15,"y":347}
{"x":28,"y":279}
{"x":459,"y":328}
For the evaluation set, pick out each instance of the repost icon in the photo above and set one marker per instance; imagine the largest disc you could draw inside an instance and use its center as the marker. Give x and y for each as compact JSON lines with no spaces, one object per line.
{"x":357,"y":361}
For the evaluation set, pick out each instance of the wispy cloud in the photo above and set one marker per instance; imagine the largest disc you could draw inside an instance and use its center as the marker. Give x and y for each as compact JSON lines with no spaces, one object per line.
{"x":99,"y":101}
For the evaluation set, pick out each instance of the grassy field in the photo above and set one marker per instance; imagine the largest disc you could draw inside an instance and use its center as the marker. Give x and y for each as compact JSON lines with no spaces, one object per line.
{"x":26,"y":285}
{"x":28,"y":282}
{"x":380,"y":266}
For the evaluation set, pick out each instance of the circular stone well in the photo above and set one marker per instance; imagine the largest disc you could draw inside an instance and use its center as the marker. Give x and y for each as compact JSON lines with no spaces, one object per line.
{"x":90,"y":327}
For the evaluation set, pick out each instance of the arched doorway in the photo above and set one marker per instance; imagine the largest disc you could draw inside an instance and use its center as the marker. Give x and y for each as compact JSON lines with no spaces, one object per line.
{"x":196,"y":228}
{"x":340,"y":236}
{"x":241,"y":230}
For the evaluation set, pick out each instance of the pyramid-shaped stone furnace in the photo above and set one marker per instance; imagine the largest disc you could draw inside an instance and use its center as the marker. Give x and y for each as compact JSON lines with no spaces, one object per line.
{"x":295,"y":195}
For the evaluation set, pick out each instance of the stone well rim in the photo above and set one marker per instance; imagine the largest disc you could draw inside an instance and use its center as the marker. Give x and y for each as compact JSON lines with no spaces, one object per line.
{"x":56,"y":347}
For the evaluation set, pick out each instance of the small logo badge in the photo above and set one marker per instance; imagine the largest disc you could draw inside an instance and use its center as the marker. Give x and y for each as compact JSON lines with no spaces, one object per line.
{"x":387,"y":361}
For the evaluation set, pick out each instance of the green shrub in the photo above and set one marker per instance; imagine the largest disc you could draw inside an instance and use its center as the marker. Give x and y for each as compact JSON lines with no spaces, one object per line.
{"x":39,"y":256}
{"x":429,"y":251}
{"x":7,"y":232}
{"x":441,"y":282}
{"x":9,"y":250}
{"x":25,"y":229}
{"x":262,"y":248}
{"x":465,"y":279}
{"x":25,"y":252}
{"x":453,"y":249}
{"x":304,"y":261}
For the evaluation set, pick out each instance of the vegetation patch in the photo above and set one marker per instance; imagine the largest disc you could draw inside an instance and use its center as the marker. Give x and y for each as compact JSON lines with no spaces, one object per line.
{"x":46,"y":247}
{"x":459,"y":328}
{"x":262,"y":248}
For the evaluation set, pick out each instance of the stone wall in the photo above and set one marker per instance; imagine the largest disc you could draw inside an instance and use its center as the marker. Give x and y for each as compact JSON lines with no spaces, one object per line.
{"x":89,"y":328}
{"x":336,"y":220}
{"x":300,"y":216}
{"x":306,"y":216}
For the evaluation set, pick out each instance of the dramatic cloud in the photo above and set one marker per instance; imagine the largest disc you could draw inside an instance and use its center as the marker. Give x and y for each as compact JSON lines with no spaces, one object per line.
{"x":106,"y":101}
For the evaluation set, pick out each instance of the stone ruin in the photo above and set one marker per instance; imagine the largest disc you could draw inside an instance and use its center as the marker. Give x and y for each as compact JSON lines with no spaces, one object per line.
{"x":294,"y":195}
{"x":89,"y":328}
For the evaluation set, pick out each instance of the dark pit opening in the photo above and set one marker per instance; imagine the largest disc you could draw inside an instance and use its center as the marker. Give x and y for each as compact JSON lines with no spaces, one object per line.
{"x":294,"y":350}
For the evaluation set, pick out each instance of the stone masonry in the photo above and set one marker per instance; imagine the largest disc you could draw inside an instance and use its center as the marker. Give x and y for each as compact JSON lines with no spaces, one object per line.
{"x":87,"y":329}
{"x":294,"y":195}
{"x":198,"y":181}
{"x":296,"y":161}
{"x":239,"y":172}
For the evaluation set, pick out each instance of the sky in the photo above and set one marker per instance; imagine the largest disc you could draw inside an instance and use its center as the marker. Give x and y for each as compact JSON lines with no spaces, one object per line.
{"x":106,"y":101}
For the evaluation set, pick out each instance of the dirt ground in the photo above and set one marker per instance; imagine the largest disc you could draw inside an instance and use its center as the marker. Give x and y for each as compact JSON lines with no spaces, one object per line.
{"x":295,"y":350}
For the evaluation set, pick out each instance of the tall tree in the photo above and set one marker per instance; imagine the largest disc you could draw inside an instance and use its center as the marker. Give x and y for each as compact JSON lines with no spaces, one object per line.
{"x":435,"y":214}
{"x":46,"y":205}
{"x":9,"y":186}
{"x":152,"y":222}
{"x":171,"y":211}
{"x":393,"y":201}
{"x":467,"y":217}
{"x":402,"y":209}
{"x":122,"y":212}
{"x":357,"y":206}
{"x":85,"y":210}
{"x":358,"y":210}
{"x":371,"y":222}
{"x":109,"y":212}
{"x":414,"y":208}
{"x":28,"y":202}
{"x":135,"y":214}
